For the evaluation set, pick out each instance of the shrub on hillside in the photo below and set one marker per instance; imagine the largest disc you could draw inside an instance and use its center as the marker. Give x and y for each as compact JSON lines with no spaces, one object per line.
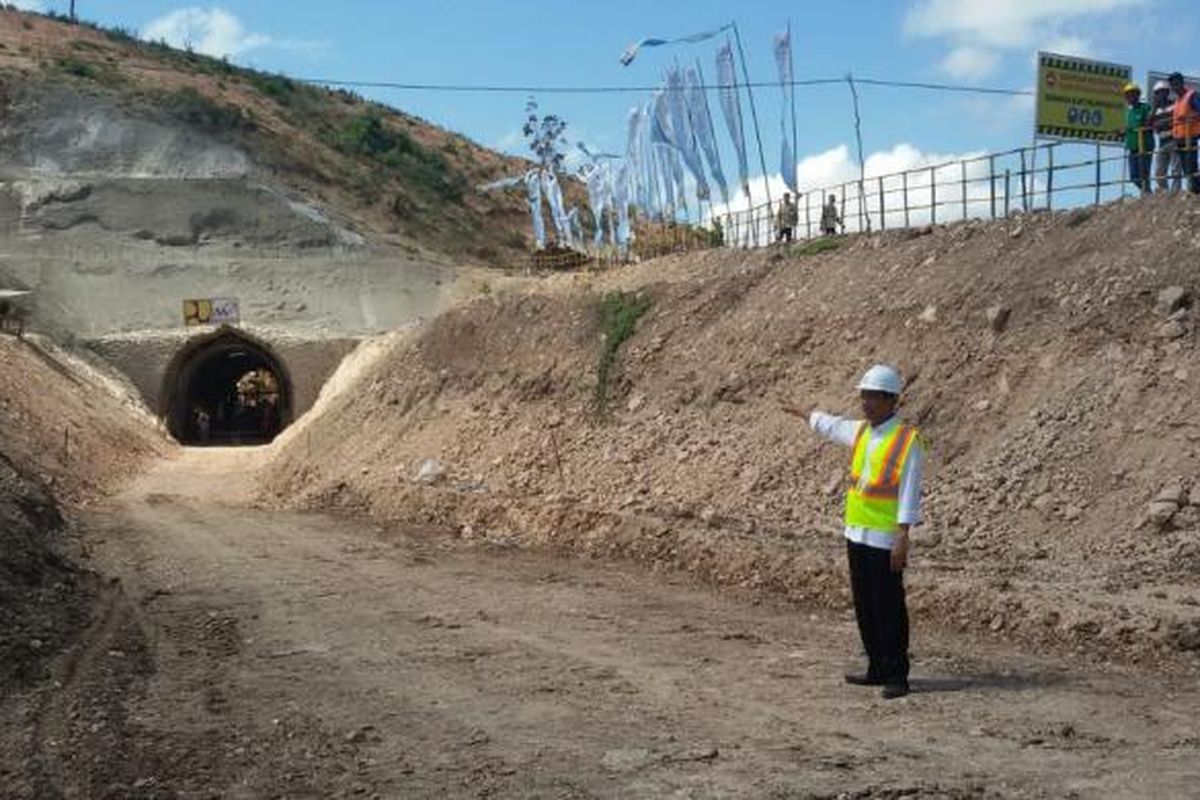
{"x":200,"y":111}
{"x":367,"y":135}
{"x":80,"y":69}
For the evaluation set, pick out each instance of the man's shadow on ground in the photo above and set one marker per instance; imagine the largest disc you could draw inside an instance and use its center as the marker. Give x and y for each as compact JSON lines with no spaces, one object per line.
{"x":984,"y":681}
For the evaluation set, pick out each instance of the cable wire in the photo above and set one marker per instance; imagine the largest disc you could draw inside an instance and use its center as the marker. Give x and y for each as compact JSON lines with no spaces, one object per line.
{"x":450,"y":87}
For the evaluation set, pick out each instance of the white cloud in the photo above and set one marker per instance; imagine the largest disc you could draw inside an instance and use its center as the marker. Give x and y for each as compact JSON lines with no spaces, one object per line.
{"x":28,"y":5}
{"x":979,"y":33}
{"x":1066,"y":45}
{"x":1012,"y":23}
{"x":212,"y":31}
{"x":971,"y":63}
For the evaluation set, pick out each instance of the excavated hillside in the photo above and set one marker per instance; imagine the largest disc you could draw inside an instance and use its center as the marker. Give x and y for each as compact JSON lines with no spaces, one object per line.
{"x":81,"y":100}
{"x":1051,"y":362}
{"x":69,"y":434}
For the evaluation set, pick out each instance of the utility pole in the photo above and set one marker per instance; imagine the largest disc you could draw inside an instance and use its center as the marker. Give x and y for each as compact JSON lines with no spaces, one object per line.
{"x":73,"y":11}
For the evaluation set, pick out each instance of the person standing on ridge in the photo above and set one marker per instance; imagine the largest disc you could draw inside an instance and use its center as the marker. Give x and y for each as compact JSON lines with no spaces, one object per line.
{"x":1138,"y":141}
{"x":786,"y":219}
{"x":1185,"y":128}
{"x":830,"y":219}
{"x":883,"y":502}
{"x":1166,"y":158}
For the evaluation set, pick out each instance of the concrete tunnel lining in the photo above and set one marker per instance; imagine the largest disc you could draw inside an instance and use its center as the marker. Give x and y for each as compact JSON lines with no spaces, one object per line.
{"x":207,"y":365}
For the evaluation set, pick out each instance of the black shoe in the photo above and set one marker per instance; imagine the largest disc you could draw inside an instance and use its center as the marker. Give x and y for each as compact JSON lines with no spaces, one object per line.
{"x":863,"y":679}
{"x":891,"y":691}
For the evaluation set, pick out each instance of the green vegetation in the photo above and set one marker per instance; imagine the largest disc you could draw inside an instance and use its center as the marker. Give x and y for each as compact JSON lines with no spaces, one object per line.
{"x":815,"y":247}
{"x":276,"y":87}
{"x":79,"y":69}
{"x":367,"y":135}
{"x":619,"y":315}
{"x":716,"y":236}
{"x":198,"y":110}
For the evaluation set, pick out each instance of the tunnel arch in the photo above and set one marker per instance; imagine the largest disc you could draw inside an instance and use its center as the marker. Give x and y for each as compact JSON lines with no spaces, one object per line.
{"x":201,"y":400}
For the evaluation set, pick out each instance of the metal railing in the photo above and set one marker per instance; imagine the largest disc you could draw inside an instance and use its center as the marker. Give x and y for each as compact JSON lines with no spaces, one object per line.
{"x":1055,"y":175}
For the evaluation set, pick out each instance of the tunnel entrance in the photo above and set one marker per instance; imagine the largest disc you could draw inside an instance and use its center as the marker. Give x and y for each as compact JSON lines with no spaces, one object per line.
{"x":226,"y":388}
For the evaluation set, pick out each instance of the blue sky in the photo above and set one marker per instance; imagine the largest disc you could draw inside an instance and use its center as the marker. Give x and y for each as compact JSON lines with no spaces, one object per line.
{"x":524,"y":42}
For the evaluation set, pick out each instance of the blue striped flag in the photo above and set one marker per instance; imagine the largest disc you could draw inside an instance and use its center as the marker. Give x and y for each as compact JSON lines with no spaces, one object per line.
{"x":631,"y":52}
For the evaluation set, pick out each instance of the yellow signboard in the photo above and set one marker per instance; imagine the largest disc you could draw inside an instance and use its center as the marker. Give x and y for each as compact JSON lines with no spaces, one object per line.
{"x":211,"y":311}
{"x":1080,"y":100}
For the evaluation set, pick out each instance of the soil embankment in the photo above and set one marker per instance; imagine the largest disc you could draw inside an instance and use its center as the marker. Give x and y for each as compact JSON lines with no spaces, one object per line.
{"x":1051,"y":360}
{"x":68,"y":434}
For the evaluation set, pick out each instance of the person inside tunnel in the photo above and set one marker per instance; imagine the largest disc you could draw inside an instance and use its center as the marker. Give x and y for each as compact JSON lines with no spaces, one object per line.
{"x":227,"y":392}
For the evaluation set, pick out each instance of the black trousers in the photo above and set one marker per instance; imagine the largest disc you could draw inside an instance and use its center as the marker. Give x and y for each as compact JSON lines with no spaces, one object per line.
{"x":881,"y":611}
{"x":1190,"y":163}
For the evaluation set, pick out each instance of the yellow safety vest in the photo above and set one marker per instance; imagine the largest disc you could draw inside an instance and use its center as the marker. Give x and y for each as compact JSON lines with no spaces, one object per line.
{"x":875,"y":504}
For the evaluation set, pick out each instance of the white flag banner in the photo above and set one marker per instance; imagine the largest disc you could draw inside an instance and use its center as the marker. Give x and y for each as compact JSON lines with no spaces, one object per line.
{"x":633,"y":160}
{"x":621,"y":200}
{"x":783,"y":60}
{"x":683,"y":138}
{"x":533,"y":191}
{"x":631,"y":52}
{"x":650,"y":173}
{"x":701,"y":118}
{"x":558,"y":214}
{"x":597,"y":198}
{"x":666,"y":176}
{"x":731,"y":109}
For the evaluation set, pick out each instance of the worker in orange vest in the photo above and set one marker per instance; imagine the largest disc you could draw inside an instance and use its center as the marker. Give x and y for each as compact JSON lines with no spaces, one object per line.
{"x":1185,"y":128}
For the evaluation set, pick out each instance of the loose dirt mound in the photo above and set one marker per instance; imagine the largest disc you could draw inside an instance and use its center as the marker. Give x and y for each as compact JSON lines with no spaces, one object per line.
{"x":67,"y":433}
{"x":1058,"y":399}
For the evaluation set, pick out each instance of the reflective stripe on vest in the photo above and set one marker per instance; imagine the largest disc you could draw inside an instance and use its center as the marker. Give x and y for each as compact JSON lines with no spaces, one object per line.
{"x":1185,"y":123}
{"x":875,"y":504}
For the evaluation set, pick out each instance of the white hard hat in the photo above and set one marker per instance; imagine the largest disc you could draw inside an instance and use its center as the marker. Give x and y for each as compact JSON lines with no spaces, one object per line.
{"x":881,"y":378}
{"x":1161,"y":86}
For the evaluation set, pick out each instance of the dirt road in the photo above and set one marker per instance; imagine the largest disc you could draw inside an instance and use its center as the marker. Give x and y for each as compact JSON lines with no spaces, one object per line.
{"x":249,"y":654}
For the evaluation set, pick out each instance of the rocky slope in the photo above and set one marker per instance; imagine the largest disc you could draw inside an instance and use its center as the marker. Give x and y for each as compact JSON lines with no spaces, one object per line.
{"x":1051,"y":361}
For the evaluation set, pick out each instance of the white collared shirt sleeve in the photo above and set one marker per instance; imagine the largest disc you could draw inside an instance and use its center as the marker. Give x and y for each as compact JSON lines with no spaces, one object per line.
{"x":910,"y":486}
{"x":835,"y":429}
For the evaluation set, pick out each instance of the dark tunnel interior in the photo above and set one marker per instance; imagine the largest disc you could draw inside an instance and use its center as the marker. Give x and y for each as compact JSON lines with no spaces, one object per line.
{"x":228,"y":391}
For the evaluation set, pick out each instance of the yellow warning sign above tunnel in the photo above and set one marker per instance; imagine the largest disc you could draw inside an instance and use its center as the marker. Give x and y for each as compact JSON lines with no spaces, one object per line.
{"x":211,"y":311}
{"x":1079,"y":99}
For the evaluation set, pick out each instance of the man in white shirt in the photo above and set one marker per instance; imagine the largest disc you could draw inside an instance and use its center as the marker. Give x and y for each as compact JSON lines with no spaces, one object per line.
{"x":883,"y":501}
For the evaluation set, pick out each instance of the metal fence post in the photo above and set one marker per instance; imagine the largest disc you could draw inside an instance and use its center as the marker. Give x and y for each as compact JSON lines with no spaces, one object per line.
{"x":933,"y":195}
{"x":842,"y":215}
{"x":1024,"y":195}
{"x":1050,"y":177}
{"x":964,"y":188}
{"x":882,"y":207}
{"x":1097,"y":173}
{"x":992,"y":182}
{"x":1007,"y":185}
{"x":905,"y":186}
{"x":863,"y":225}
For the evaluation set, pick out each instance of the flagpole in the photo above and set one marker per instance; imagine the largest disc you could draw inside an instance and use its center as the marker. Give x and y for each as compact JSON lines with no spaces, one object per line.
{"x":795,"y":143}
{"x":737,"y":37}
{"x":741,"y":133}
{"x":861,"y":165}
{"x":712,"y":126}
